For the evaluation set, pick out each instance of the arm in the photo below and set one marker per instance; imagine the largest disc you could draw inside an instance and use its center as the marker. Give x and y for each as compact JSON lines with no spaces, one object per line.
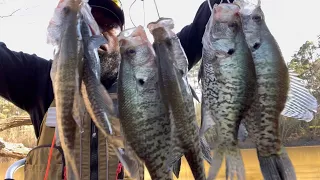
{"x":25,"y":81}
{"x":191,"y":35}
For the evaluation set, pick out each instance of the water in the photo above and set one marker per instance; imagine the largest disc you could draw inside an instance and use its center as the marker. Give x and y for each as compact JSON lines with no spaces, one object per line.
{"x":306,"y":161}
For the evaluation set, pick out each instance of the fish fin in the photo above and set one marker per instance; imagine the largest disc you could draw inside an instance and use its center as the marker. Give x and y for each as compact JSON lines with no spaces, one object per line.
{"x":103,"y":93}
{"x":78,"y":109}
{"x":234,"y":163}
{"x":175,"y":155}
{"x":177,"y":151}
{"x":200,"y":72}
{"x":96,"y":41}
{"x":206,"y":118}
{"x":195,"y":162}
{"x":205,"y":149}
{"x":277,"y":166}
{"x":141,"y":170}
{"x":194,"y":94}
{"x":300,"y":104}
{"x":242,"y":132}
{"x":131,"y":163}
{"x":176,"y":168}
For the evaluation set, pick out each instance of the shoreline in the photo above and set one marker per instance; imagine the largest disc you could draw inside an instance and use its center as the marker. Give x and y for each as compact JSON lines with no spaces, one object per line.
{"x":248,"y":144}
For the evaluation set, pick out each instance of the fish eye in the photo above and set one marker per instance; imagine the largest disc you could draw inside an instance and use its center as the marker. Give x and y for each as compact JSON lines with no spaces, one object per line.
{"x":256,"y":18}
{"x":131,"y":51}
{"x":141,"y":82}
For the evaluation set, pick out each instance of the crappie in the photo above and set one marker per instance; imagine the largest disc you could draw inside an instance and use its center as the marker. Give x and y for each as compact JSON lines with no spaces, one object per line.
{"x":96,"y":98}
{"x":262,"y":121}
{"x":64,"y":33}
{"x":178,"y":97}
{"x":228,"y":76}
{"x":144,"y":119}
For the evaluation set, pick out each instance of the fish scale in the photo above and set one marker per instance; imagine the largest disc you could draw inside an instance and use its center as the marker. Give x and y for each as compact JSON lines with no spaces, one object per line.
{"x":143,"y":117}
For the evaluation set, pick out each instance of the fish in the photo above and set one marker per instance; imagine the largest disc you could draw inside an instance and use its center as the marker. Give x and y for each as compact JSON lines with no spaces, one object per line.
{"x":96,"y":98}
{"x":178,"y":98}
{"x":63,"y":31}
{"x":144,"y":119}
{"x":229,"y":82}
{"x":262,"y":120}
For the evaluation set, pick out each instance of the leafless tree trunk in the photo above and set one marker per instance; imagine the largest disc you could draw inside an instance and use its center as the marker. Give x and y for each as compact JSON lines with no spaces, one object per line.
{"x":14,"y":122}
{"x":13,"y":150}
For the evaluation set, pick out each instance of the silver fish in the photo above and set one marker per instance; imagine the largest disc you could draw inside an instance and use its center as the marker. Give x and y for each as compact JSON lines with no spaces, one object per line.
{"x":228,"y":78}
{"x":262,"y":121}
{"x":144,"y":119}
{"x":96,"y":98}
{"x":178,"y":97}
{"x":65,"y":82}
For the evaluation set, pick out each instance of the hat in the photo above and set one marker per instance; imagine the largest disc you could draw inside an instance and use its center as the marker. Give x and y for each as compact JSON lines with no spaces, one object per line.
{"x":111,"y":6}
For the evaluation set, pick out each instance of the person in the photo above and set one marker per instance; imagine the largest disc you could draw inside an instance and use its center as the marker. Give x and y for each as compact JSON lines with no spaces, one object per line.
{"x":25,"y":81}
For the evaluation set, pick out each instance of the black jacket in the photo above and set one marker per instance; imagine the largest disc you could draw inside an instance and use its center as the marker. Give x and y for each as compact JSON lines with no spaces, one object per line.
{"x":25,"y":79}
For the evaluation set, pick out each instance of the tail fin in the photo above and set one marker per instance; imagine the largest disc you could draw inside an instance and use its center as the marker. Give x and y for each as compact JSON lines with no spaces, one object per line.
{"x":205,"y":148}
{"x":277,"y":167}
{"x":176,"y":168}
{"x":234,"y":163}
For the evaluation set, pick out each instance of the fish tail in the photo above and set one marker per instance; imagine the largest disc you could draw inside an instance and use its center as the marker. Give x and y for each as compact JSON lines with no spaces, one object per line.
{"x":234,"y":164}
{"x":215,"y":164}
{"x":277,"y":166}
{"x":195,"y":161}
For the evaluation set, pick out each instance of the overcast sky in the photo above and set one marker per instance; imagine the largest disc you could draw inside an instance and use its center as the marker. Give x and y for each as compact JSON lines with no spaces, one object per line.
{"x":290,"y":21}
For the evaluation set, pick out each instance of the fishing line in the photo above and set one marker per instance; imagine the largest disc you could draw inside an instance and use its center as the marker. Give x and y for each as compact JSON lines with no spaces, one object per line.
{"x":130,"y":12}
{"x":155,"y":3}
{"x":209,"y":3}
{"x":144,"y":14}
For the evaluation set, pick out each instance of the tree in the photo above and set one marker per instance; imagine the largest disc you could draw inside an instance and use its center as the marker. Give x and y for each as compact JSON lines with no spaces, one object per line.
{"x":306,"y":62}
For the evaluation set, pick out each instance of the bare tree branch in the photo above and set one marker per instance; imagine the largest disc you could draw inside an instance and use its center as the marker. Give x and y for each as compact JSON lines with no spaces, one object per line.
{"x":10,"y":14}
{"x":13,"y":150}
{"x":14,"y":122}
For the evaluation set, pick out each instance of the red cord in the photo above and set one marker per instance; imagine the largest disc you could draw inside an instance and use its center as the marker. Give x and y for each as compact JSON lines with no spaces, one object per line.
{"x":118,"y":170}
{"x":50,"y":156}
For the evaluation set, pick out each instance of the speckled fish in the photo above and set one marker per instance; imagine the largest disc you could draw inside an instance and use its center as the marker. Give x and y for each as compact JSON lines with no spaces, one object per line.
{"x":63,"y":31}
{"x":144,"y":119}
{"x":229,"y":77}
{"x":178,"y":97}
{"x":262,"y":121}
{"x":96,"y":98}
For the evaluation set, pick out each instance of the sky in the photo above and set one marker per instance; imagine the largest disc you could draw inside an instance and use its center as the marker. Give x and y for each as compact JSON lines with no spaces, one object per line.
{"x":290,"y":21}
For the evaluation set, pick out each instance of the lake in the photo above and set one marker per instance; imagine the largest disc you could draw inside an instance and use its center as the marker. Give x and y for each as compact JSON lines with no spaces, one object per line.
{"x":306,"y":161}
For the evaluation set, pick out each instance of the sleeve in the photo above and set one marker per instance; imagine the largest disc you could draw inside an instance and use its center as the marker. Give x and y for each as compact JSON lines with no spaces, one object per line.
{"x":191,"y":35}
{"x":25,"y":81}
